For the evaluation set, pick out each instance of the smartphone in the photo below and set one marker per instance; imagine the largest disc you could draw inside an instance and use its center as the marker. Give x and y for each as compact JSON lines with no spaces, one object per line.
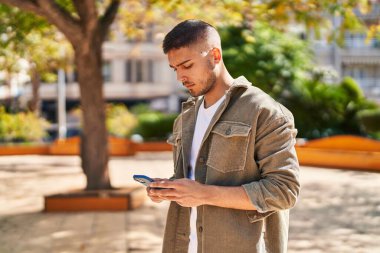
{"x":145,"y":180}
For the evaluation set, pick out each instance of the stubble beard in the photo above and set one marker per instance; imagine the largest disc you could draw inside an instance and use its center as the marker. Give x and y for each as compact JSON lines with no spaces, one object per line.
{"x":208,"y":84}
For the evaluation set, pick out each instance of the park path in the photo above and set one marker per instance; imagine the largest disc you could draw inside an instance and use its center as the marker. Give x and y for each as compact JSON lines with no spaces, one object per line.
{"x":338,"y":211}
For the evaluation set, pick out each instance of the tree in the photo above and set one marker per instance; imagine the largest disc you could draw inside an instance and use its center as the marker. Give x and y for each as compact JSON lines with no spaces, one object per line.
{"x":86,"y":30}
{"x":85,"y":24}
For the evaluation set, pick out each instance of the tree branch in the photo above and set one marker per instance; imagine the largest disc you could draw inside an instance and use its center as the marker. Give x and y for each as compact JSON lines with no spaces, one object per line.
{"x":25,"y":5}
{"x":88,"y":14}
{"x":63,"y":20}
{"x":49,"y":10}
{"x":107,"y":19}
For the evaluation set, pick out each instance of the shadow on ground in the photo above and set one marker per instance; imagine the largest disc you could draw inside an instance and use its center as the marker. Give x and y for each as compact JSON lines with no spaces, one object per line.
{"x":339,"y":211}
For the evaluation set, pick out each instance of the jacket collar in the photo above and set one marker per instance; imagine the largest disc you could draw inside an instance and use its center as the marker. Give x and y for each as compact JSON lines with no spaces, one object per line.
{"x":240,"y":82}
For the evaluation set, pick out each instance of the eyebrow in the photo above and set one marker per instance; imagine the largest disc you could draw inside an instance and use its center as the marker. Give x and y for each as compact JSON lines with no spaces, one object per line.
{"x":180,"y":63}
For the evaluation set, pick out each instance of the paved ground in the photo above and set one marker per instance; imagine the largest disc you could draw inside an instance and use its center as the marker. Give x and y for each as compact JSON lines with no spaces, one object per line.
{"x":338,"y":212}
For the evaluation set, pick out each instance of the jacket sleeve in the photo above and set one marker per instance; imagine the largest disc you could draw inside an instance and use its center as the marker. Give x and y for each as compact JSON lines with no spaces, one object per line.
{"x":275,"y":155}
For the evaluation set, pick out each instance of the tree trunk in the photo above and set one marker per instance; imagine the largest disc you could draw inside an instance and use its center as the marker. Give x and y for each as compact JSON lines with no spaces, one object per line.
{"x":94,"y":146}
{"x":34,"y":103}
{"x":86,"y":31}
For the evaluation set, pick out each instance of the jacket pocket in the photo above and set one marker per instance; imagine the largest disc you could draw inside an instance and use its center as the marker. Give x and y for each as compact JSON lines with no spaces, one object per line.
{"x":229,"y":145}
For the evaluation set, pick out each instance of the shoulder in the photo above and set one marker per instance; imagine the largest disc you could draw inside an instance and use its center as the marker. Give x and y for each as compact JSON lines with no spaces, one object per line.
{"x":264,"y":106}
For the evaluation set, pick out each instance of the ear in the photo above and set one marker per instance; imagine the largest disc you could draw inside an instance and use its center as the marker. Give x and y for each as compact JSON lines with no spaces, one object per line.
{"x":217,"y":55}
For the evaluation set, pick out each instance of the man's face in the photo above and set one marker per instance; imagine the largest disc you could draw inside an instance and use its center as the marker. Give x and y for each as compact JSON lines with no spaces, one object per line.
{"x":194,"y":69}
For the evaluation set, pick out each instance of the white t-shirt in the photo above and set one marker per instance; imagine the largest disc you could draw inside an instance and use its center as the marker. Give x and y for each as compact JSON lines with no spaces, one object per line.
{"x":203,"y":120}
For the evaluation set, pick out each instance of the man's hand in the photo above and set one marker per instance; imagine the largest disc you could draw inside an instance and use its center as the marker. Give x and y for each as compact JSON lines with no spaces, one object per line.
{"x":185,"y":192}
{"x":153,"y":197}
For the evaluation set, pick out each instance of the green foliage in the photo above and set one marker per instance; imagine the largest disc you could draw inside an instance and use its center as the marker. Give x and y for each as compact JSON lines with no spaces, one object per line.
{"x":16,"y":25}
{"x":322,"y":109}
{"x":370,"y":120}
{"x":352,"y":88}
{"x":272,"y":60}
{"x":280,"y":65}
{"x":135,"y":16}
{"x":120,"y":122}
{"x":30,"y":37}
{"x":23,"y":126}
{"x":155,"y":126}
{"x":49,"y":77}
{"x":140,"y":109}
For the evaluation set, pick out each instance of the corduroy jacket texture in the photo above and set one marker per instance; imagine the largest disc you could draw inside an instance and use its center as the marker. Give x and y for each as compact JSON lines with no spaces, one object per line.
{"x":250,"y":143}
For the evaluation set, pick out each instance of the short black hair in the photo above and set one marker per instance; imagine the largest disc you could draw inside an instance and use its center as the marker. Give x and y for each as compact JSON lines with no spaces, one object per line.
{"x":185,"y":33}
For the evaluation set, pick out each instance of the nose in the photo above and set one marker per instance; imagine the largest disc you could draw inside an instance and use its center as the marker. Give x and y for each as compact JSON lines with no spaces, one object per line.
{"x":180,"y":76}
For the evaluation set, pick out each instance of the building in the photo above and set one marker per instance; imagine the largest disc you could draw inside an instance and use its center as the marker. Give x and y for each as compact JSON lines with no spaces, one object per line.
{"x":133,"y":73}
{"x":358,"y":58}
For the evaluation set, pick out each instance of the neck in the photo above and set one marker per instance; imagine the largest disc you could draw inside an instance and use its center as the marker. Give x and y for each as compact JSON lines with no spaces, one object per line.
{"x":222,"y":84}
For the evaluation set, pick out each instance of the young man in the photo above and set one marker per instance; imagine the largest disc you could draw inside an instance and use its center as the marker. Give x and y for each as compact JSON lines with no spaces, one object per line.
{"x":236,"y":169}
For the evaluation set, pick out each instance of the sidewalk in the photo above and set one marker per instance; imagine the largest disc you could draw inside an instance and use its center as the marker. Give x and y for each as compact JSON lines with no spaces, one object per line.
{"x":339,"y":211}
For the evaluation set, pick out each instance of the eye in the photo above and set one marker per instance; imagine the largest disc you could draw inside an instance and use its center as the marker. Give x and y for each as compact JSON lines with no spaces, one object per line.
{"x":187,"y":66}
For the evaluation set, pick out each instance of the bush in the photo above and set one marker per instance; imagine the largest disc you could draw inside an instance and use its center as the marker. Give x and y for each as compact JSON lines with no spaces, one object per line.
{"x":141,"y":109}
{"x":21,"y":127}
{"x":120,"y":122}
{"x":322,"y":109}
{"x":155,"y":126}
{"x":351,"y":87}
{"x":370,"y":120}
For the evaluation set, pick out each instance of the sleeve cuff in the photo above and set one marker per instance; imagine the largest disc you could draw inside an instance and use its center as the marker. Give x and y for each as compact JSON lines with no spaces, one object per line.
{"x":253,"y":194}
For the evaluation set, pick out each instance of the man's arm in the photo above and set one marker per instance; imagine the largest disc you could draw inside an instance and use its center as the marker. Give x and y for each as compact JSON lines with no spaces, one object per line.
{"x":190,"y":193}
{"x":279,"y":186}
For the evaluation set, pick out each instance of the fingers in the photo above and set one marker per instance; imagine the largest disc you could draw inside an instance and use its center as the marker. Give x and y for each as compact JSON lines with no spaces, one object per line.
{"x":158,"y":179}
{"x":166,"y":183}
{"x":156,"y":200}
{"x":158,"y":195}
{"x":153,"y":197}
{"x":163,"y":193}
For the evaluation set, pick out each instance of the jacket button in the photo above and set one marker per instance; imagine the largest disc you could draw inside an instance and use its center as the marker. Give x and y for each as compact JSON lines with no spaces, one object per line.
{"x":200,"y":229}
{"x":228,"y":131}
{"x":201,"y":159}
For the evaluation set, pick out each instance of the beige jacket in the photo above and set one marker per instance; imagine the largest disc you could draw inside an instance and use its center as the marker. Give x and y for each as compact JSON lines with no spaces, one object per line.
{"x":250,"y":143}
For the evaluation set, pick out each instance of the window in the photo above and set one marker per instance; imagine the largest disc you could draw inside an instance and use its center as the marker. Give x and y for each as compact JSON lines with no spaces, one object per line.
{"x":128,"y":71}
{"x":139,"y":70}
{"x":106,"y":71}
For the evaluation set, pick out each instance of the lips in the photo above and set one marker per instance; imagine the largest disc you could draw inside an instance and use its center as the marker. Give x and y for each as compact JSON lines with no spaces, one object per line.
{"x":188,"y":85}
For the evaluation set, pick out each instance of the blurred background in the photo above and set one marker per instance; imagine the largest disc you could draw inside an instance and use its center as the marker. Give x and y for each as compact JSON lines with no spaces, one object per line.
{"x":313,"y":56}
{"x":321,"y":59}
